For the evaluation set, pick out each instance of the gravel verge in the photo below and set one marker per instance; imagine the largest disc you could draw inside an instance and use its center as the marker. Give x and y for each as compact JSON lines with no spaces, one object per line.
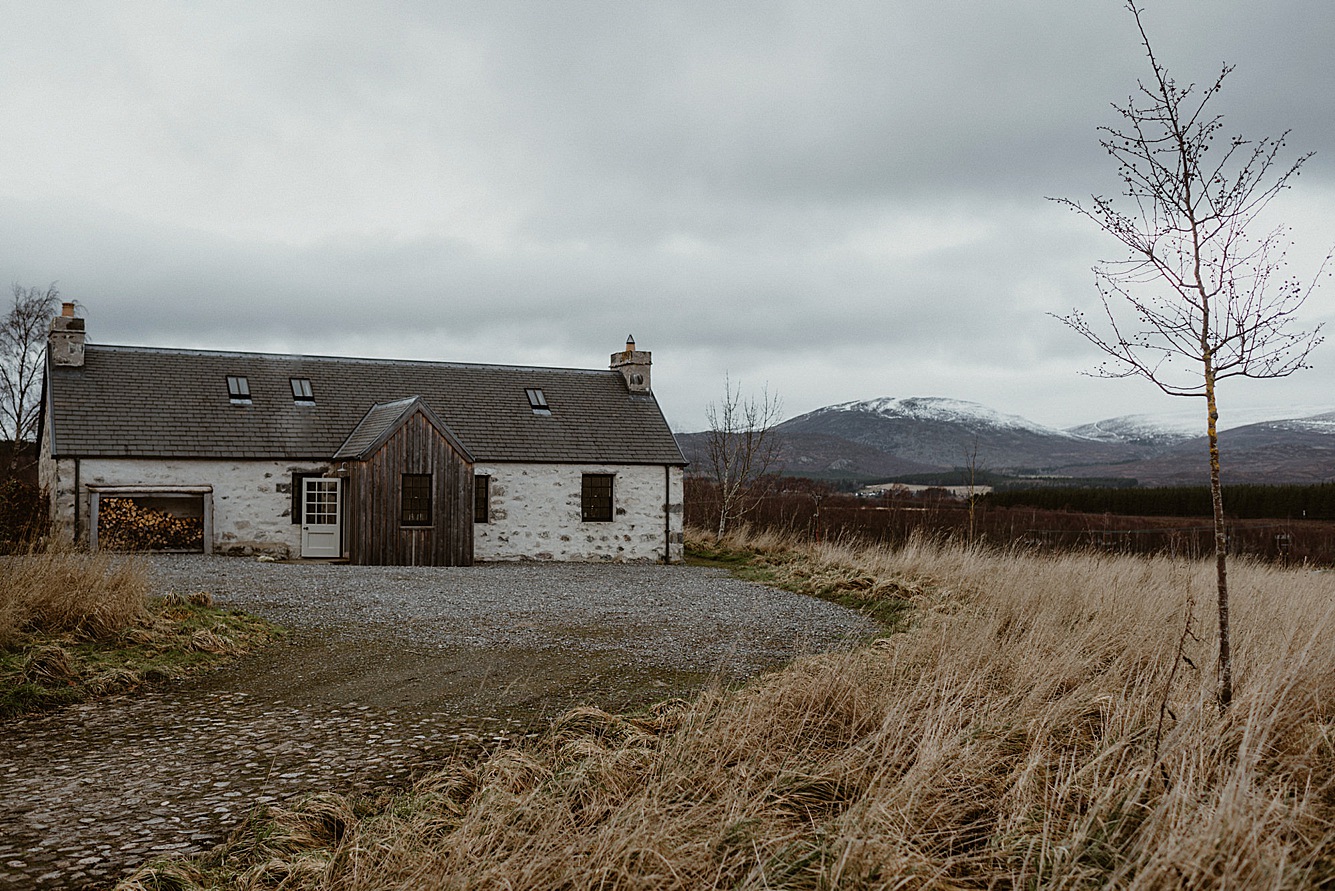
{"x":679,"y":617}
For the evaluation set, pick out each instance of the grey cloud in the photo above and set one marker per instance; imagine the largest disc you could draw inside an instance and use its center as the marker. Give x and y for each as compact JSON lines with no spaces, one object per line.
{"x":756,"y":187}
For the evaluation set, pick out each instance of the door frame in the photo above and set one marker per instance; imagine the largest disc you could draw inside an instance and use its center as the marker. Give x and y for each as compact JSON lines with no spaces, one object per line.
{"x":324,"y":530}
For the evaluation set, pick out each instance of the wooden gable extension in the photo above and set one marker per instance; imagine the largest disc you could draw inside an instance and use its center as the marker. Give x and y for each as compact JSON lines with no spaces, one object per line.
{"x":413,"y":442}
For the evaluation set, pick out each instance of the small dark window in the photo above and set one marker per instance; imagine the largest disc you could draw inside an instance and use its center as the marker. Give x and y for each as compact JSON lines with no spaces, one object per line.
{"x":481,"y":499}
{"x":537,"y":401}
{"x":238,"y":389}
{"x":301,"y":390}
{"x":416,"y":500}
{"x":596,"y":498}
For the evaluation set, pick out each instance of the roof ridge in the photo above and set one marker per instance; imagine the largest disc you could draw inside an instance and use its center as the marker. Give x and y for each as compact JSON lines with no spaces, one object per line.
{"x":369,"y":360}
{"x":404,"y":401}
{"x":395,"y":413}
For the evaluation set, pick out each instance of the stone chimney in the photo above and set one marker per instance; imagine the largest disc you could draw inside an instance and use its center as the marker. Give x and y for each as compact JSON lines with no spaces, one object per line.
{"x":65,"y":345}
{"x":634,"y":366}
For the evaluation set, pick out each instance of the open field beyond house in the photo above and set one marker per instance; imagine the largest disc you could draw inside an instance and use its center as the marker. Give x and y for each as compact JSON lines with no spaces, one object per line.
{"x":1006,"y":740}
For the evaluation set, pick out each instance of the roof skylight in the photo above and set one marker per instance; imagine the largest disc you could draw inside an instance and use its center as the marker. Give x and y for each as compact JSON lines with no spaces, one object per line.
{"x":537,"y":401}
{"x":301,"y":390}
{"x":238,"y":389}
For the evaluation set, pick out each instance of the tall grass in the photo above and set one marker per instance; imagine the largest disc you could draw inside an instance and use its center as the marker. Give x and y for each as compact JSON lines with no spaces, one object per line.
{"x":74,"y":626}
{"x":1005,"y":741}
{"x":63,"y":592}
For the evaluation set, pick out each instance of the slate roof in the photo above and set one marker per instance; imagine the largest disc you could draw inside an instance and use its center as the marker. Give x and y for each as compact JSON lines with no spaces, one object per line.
{"x":150,"y":402}
{"x":380,"y":422}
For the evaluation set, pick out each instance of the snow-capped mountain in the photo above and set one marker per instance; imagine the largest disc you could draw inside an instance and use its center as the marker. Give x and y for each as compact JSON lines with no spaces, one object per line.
{"x":1322,"y":423}
{"x":1168,"y":428}
{"x":941,"y":432}
{"x":893,"y":436}
{"x":945,"y":410}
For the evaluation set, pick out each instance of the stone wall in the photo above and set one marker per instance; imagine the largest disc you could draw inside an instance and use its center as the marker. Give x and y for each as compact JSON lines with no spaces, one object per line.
{"x":535,"y":514}
{"x":252,"y":500}
{"x":57,"y":480}
{"x":535,"y":508}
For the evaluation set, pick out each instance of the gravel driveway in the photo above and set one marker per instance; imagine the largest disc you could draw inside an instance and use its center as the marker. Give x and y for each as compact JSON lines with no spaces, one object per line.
{"x":388,"y":670}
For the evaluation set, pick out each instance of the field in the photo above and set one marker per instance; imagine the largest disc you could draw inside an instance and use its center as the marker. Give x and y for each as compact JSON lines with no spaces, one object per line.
{"x":808,"y":509}
{"x":1030,"y":724}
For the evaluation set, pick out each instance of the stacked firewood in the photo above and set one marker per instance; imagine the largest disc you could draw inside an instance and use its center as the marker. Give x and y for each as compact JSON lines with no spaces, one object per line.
{"x":124,"y":525}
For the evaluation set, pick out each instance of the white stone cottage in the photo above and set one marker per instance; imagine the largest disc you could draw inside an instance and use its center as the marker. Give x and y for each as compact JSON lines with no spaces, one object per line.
{"x":372,"y":460}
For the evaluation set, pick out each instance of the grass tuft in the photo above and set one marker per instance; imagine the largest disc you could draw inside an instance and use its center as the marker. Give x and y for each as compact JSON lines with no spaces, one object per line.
{"x":77,"y":625}
{"x":89,"y":596}
{"x":49,"y":665}
{"x":831,"y":572}
{"x":173,"y":875}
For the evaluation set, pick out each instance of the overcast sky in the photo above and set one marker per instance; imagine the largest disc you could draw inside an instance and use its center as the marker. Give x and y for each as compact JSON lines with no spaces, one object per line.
{"x":838,"y":200}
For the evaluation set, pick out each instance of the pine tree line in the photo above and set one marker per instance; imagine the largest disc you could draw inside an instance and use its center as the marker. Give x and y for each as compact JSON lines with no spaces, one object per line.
{"x":1312,"y":502}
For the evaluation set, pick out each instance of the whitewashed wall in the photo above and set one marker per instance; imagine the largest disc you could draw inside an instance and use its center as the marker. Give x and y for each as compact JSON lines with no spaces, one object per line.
{"x":57,"y":479}
{"x":535,"y":514}
{"x":252,"y":500}
{"x":535,"y":508}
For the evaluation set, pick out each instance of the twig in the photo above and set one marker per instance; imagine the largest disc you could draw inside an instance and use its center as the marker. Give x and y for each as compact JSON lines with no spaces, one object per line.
{"x":1179,"y":656}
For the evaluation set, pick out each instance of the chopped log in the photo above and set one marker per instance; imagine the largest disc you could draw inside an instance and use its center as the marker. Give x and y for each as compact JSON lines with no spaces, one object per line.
{"x":125,"y":525}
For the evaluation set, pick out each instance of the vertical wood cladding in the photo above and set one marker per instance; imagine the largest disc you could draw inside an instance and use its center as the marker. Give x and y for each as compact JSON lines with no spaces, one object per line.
{"x":376,"y":534}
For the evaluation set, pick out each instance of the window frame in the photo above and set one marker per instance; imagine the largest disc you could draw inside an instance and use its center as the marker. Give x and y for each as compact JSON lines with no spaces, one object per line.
{"x":415,"y":490}
{"x":537,"y":401}
{"x":238,"y":389}
{"x":482,"y":498}
{"x":302,"y":394}
{"x":594,"y":490}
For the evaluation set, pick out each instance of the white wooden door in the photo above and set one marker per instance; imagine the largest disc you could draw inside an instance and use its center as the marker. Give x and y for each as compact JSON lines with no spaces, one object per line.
{"x":319,"y":517}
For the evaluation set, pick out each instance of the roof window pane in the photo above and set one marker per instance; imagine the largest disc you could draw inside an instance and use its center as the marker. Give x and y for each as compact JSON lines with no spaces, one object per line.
{"x":301,"y":390}
{"x":238,"y":388}
{"x":537,"y":401}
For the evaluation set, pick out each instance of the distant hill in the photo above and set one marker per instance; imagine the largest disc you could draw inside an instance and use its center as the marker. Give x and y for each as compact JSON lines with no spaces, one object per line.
{"x":891,"y":437}
{"x":1300,"y":450}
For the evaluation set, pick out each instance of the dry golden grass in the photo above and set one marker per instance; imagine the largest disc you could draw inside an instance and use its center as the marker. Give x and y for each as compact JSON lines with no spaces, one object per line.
{"x":63,"y":592}
{"x":77,"y":625}
{"x":1004,"y":741}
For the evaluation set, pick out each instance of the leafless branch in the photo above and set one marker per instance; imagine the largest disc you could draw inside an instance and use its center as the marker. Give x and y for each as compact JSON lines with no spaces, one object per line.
{"x":1199,"y":295}
{"x":23,"y":334}
{"x":741,"y":446}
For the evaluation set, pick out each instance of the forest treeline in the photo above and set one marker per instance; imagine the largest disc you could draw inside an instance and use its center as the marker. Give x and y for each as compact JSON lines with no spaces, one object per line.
{"x":1312,"y":502}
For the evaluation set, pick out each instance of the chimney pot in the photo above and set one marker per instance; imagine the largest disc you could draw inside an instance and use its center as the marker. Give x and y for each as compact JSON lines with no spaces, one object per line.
{"x":634,"y":366}
{"x":65,"y":342}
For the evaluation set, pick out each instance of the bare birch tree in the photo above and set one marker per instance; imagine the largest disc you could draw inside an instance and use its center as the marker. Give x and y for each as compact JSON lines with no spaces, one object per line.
{"x":1203,"y":293}
{"x":971,"y":469}
{"x":741,"y":446}
{"x":23,"y":335}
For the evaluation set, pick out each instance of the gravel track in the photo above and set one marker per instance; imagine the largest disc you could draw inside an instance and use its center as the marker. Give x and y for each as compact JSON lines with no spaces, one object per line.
{"x":675,"y":616}
{"x":388,"y":670}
